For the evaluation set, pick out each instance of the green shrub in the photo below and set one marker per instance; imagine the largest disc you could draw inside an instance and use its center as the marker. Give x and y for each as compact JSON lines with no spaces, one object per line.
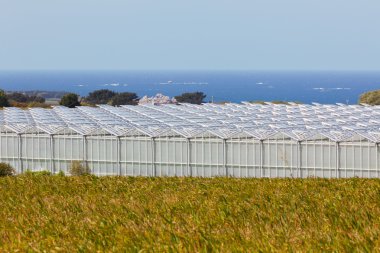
{"x":124,"y":98}
{"x":77,"y":168}
{"x":191,"y":97}
{"x":100,"y":97}
{"x":61,"y":173}
{"x":6,"y":170}
{"x":25,"y":98}
{"x":70,"y":100}
{"x":3,"y":99}
{"x":371,"y":97}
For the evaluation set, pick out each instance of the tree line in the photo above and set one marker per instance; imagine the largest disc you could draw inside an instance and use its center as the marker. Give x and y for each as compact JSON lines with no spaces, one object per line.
{"x":19,"y":99}
{"x":115,"y":99}
{"x":103,"y":96}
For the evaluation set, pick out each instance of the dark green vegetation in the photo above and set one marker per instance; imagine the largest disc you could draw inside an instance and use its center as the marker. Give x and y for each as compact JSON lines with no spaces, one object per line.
{"x":110,"y":97}
{"x":105,"y":96}
{"x":6,"y":170}
{"x":70,"y":100}
{"x":41,"y":213}
{"x":100,"y":96}
{"x":371,"y":97}
{"x":25,"y":98}
{"x":3,"y":99}
{"x":192,"y":98}
{"x":124,"y":98}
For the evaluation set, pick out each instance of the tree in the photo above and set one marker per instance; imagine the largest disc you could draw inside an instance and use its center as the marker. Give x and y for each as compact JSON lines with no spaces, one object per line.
{"x":124,"y":98}
{"x":70,"y":100}
{"x":371,"y":97}
{"x":18,"y":97}
{"x":100,"y":96}
{"x":24,"y":98}
{"x":192,"y":98}
{"x":6,"y":170}
{"x":3,"y":99}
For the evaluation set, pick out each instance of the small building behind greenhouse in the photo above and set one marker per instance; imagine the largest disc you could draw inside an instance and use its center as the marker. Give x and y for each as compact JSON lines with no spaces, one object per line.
{"x":209,"y":140}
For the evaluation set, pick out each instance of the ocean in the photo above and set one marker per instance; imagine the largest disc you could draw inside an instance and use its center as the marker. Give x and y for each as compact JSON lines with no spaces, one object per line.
{"x":233,"y":86}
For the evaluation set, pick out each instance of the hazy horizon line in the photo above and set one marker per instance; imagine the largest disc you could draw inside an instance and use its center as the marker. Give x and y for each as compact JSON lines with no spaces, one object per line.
{"x":189,"y":70}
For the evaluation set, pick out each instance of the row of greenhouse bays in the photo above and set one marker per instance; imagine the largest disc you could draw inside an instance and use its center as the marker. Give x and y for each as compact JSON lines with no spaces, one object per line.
{"x":175,"y":156}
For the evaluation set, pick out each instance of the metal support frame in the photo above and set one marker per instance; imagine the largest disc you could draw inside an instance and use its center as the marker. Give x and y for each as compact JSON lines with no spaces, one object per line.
{"x":21,"y":166}
{"x":84,"y":150}
{"x":52,"y":163}
{"x":299,"y":159}
{"x":188,"y":160}
{"x":261,"y":158}
{"x":118,"y":155}
{"x":225,"y":157}
{"x":154,"y":169}
{"x":377,"y":160}
{"x":337,"y":158}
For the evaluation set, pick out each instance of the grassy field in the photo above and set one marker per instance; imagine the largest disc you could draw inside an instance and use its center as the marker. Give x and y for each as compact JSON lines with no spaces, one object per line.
{"x":87,"y":214}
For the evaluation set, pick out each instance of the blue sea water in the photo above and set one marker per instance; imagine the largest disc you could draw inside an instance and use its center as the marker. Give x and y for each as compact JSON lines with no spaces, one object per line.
{"x":233,"y":86}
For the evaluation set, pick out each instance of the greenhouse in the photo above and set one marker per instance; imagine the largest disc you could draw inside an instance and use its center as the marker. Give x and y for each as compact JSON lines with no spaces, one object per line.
{"x":209,"y":140}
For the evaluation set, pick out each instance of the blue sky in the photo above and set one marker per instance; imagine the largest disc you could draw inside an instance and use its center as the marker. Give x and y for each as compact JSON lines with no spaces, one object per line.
{"x":193,"y":35}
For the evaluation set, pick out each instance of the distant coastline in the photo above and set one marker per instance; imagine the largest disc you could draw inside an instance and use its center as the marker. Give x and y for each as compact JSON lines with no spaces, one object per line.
{"x":326,"y":87}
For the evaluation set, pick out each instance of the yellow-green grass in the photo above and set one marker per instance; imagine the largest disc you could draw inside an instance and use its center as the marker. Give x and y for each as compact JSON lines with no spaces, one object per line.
{"x":88,"y":214}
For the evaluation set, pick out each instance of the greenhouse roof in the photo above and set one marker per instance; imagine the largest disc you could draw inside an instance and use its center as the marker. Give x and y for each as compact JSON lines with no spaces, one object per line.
{"x":299,"y":122}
